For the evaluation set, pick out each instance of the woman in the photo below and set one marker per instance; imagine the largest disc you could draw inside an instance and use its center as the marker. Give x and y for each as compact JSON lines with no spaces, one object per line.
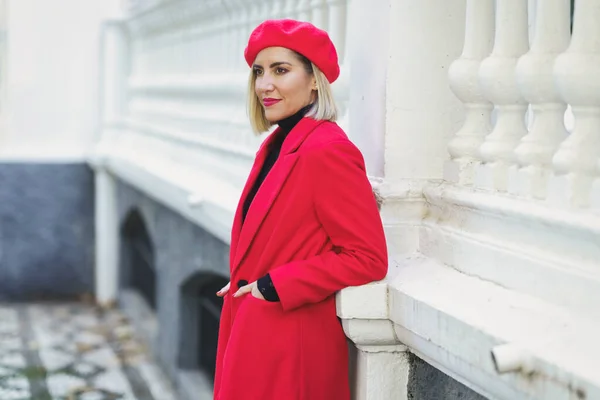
{"x":307,"y":225}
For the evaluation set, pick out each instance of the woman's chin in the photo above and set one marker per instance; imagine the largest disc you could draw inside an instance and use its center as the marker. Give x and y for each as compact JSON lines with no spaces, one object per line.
{"x":272,"y":117}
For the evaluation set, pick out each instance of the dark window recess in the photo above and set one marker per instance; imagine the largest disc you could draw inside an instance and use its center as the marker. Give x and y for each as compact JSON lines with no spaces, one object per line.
{"x":209,"y":307}
{"x":200,"y":316}
{"x":140,"y":254}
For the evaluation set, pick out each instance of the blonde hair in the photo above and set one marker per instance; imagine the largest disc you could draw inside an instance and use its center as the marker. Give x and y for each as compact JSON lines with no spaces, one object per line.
{"x":324,"y":107}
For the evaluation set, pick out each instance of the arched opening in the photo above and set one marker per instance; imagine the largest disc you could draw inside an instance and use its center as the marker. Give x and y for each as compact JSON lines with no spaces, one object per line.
{"x":201,"y":312}
{"x":139,"y":271}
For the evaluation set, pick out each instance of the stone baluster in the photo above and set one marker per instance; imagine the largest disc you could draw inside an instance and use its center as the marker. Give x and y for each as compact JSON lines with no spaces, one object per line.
{"x":254,"y":15}
{"x":577,"y":73}
{"x":265,"y":11}
{"x":290,"y":9}
{"x":219,"y":33}
{"x":536,"y":82}
{"x":245,"y":10}
{"x":343,"y":86}
{"x":336,"y":10}
{"x":304,"y":10}
{"x":277,"y":9}
{"x":498,"y":80}
{"x":230,"y":33}
{"x":464,"y":82}
{"x":350,"y":10}
{"x":319,"y":13}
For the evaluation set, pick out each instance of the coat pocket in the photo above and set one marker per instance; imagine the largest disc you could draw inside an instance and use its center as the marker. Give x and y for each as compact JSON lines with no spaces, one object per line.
{"x":263,"y":352}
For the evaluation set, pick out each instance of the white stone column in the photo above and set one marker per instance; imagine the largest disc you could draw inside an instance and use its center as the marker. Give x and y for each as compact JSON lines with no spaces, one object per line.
{"x":464,"y":81}
{"x":336,"y":10}
{"x":536,"y":81}
{"x":422,"y":111}
{"x":237,"y":34}
{"x":382,"y":365}
{"x":278,"y":9}
{"x":114,"y":74}
{"x":255,"y":16}
{"x":265,"y":9}
{"x":107,"y":238}
{"x":415,"y":89}
{"x":229,"y":34}
{"x":304,"y":10}
{"x":382,"y":372}
{"x":577,"y":74}
{"x":290,"y":9}
{"x":497,"y":75}
{"x":368,"y":63}
{"x":245,"y":29}
{"x":319,"y":13}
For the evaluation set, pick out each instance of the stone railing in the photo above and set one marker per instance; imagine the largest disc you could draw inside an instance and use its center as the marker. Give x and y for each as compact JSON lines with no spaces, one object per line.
{"x":175,"y":96}
{"x":174,"y":118}
{"x":188,"y":72}
{"x":517,"y":216}
{"x":499,"y":69}
{"x":541,"y":177}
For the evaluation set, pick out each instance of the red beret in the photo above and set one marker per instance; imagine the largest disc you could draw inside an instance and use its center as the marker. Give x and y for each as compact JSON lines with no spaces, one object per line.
{"x":302,"y":37}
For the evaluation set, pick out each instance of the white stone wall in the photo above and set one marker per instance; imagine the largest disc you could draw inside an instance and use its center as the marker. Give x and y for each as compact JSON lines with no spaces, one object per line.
{"x":49,"y":80}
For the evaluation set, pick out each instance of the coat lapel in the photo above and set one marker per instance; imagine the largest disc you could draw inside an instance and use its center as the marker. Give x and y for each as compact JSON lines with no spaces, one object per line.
{"x":269,"y":189}
{"x":261,"y":154}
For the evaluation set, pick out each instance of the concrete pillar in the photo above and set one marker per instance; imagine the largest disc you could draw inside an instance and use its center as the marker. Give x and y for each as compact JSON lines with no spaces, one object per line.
{"x":107,"y":239}
{"x":368,"y":60}
{"x":422,"y":113}
{"x":114,"y":73}
{"x":382,"y":373}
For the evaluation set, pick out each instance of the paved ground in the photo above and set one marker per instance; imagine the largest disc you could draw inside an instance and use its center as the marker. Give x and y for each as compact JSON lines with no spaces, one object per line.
{"x":74,"y":352}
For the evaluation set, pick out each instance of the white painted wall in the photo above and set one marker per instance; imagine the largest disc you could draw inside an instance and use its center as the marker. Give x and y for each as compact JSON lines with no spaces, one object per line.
{"x":52,"y":78}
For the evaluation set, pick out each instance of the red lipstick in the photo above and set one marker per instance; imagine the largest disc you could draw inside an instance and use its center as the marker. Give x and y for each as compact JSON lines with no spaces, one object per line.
{"x":268,"y":102}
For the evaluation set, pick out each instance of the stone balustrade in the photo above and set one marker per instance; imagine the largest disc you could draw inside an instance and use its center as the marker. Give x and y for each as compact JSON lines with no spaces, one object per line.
{"x":187,"y":77}
{"x":542,"y":161}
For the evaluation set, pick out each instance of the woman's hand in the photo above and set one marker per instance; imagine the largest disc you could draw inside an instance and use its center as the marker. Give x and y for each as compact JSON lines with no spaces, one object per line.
{"x":224,"y":290}
{"x":251,"y":288}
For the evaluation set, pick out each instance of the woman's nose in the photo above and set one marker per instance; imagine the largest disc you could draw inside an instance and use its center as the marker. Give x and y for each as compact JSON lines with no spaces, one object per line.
{"x":265,"y":84}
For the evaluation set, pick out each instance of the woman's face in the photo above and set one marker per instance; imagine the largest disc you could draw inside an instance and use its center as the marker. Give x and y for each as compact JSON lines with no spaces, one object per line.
{"x":282,"y":84}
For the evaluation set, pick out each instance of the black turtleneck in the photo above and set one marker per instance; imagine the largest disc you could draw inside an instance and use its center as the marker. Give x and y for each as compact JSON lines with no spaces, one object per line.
{"x":285,"y":125}
{"x":265,"y":284}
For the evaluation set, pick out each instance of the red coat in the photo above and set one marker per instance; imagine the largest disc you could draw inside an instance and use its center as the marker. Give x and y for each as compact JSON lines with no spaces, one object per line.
{"x":315,"y":227}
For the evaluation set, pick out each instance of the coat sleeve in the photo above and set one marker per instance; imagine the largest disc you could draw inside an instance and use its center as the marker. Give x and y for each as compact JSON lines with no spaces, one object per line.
{"x":347,"y":209}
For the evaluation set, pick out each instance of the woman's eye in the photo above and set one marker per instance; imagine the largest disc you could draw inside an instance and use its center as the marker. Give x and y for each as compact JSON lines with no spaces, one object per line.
{"x":281,"y":71}
{"x":258,"y":72}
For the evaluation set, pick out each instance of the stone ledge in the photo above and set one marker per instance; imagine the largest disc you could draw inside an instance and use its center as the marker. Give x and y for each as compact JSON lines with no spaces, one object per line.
{"x":454,"y":321}
{"x":197,"y":196}
{"x":516,"y":242}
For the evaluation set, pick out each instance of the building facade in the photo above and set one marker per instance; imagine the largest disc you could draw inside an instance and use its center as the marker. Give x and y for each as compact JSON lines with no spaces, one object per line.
{"x":478,"y":121}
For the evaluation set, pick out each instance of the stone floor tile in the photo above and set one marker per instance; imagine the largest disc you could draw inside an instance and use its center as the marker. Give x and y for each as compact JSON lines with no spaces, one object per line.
{"x":103,"y":356}
{"x":54,"y":360}
{"x":74,"y":351}
{"x":158,"y":385}
{"x":61,"y":385}
{"x":14,"y":360}
{"x":115,"y":381}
